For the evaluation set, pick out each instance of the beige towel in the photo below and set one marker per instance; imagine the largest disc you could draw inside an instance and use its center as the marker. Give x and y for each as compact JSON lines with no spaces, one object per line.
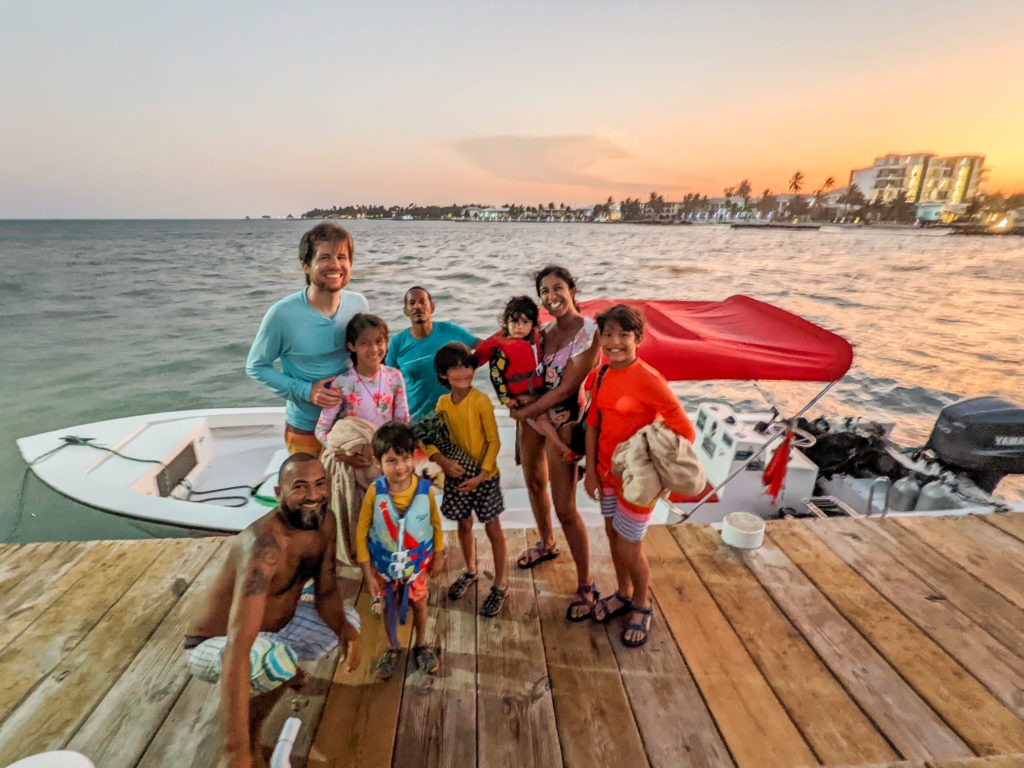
{"x":657,"y":460}
{"x":348,"y":486}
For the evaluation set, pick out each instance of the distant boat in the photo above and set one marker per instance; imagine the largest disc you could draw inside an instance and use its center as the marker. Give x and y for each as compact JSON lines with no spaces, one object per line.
{"x":776,"y":226}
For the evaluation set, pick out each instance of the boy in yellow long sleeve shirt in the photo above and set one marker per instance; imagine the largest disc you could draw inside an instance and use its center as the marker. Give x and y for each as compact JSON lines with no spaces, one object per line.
{"x":469,"y":416}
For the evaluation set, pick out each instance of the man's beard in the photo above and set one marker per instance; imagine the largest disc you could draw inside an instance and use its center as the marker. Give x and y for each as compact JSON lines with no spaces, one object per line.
{"x":304,"y":520}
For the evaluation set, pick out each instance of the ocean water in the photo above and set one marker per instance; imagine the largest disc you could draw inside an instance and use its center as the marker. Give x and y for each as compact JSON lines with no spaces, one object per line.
{"x":102,"y":319}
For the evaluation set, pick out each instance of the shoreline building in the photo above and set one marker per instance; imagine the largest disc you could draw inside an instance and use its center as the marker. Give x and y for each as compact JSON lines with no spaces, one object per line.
{"x":922,"y":178}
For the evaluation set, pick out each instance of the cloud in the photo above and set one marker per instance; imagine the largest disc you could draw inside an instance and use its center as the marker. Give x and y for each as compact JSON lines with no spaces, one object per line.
{"x":570,"y":160}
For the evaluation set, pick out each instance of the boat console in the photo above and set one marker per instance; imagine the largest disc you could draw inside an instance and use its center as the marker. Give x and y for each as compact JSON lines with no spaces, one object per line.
{"x":727,"y":439}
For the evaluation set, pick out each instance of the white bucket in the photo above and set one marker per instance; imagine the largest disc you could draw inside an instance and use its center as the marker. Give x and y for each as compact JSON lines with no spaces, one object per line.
{"x":743,"y":530}
{"x":60,"y":759}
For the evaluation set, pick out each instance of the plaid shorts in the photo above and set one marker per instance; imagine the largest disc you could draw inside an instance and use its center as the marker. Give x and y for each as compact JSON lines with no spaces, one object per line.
{"x":273,"y":654}
{"x":628,"y":523}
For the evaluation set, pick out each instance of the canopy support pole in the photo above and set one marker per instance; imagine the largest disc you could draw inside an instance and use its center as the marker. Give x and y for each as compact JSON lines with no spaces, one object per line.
{"x":685,"y":515}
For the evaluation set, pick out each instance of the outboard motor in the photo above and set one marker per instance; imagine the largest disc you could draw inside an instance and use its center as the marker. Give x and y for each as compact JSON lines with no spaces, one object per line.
{"x":982,"y":437}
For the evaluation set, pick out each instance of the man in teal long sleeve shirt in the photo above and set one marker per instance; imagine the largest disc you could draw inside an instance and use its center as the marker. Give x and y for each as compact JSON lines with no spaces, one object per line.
{"x":412,"y":351}
{"x":305,"y":333}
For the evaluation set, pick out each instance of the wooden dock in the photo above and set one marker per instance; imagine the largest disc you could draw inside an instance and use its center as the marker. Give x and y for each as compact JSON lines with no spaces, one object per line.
{"x":840,"y":642}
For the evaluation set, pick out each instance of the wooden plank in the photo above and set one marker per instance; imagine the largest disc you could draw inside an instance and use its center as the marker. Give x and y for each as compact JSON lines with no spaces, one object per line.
{"x":21,"y":580}
{"x":1010,"y":522}
{"x":438,"y":718}
{"x":986,"y":607}
{"x":359,"y":721}
{"x":908,"y":723}
{"x":994,"y":761}
{"x":800,"y":680}
{"x":514,"y":703}
{"x":48,"y":717}
{"x":674,"y":723}
{"x":121,"y":726}
{"x":191,"y":730}
{"x":965,"y":705}
{"x":43,"y":592}
{"x":306,"y":702}
{"x":756,"y":728}
{"x":60,"y":627}
{"x":976,"y":650}
{"x":595,"y":721}
{"x":993,"y":556}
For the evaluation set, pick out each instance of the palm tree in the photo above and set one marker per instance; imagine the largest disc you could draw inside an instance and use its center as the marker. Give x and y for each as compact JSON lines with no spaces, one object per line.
{"x":796,"y":183}
{"x":766,"y":205}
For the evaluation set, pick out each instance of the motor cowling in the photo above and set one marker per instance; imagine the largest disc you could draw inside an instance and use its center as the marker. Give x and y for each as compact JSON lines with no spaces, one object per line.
{"x":982,"y":437}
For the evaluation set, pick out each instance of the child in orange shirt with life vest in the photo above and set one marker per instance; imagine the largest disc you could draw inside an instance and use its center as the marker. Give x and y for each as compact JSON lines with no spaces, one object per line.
{"x":626,"y":396}
{"x":399,"y":543}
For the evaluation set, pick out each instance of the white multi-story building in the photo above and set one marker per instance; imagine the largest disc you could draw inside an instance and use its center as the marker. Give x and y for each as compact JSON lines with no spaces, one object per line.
{"x":890,"y":175}
{"x":922,"y":177}
{"x":952,"y":180}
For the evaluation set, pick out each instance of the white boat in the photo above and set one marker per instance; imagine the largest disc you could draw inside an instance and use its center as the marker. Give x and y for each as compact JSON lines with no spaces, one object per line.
{"x":214,"y":471}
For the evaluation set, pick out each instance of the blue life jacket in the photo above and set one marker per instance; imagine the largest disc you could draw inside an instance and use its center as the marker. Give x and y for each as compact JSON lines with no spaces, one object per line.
{"x":400,"y":544}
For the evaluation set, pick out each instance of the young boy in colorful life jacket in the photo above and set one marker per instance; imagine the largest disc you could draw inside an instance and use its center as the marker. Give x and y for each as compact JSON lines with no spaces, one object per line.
{"x":399,"y":543}
{"x":513,"y":356}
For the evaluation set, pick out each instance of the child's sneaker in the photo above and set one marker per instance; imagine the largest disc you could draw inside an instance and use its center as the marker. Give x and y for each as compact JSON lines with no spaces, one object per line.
{"x":387,"y":663}
{"x":426,"y":659}
{"x":462,"y":584}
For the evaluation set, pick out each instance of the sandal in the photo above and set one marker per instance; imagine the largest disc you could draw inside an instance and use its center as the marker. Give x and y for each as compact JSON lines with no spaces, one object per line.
{"x":492,"y":605}
{"x":643,"y":626}
{"x":461,"y":585}
{"x":536,"y":555}
{"x":377,"y":607}
{"x":387,"y":663}
{"x":426,"y":659}
{"x":586,"y":596}
{"x":607,"y":613}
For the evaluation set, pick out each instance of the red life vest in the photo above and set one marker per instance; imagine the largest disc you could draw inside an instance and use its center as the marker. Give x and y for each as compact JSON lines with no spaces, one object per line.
{"x":515,"y":361}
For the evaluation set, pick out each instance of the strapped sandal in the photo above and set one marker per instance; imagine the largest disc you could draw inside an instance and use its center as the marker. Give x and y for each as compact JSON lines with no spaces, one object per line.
{"x":492,"y":605}
{"x":604,"y":612}
{"x":586,"y":596}
{"x":643,"y":626}
{"x":536,"y":555}
{"x":426,"y":659}
{"x":387,"y":663}
{"x":462,"y":584}
{"x":377,"y":607}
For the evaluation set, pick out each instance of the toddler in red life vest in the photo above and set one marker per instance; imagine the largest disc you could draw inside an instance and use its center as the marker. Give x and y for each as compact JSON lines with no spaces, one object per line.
{"x":513,"y":355}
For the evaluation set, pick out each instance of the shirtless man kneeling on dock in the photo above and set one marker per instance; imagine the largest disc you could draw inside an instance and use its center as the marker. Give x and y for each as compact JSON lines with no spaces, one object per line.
{"x":254,"y":624}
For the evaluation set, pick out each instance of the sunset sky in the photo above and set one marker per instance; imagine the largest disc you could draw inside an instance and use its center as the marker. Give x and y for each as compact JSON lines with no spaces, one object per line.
{"x":225,"y":109}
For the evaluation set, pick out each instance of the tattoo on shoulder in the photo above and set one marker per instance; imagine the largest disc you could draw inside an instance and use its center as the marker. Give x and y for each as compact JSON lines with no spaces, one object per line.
{"x":256,"y":583}
{"x":266,"y":551}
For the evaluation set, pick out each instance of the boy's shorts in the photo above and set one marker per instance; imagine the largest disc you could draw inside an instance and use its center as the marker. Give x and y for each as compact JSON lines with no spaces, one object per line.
{"x":274,"y":654}
{"x":417,"y":587}
{"x":627,"y":521}
{"x":486,"y":501}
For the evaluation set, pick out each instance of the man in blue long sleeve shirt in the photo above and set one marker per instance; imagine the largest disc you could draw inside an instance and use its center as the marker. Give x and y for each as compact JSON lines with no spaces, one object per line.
{"x":305,"y":333}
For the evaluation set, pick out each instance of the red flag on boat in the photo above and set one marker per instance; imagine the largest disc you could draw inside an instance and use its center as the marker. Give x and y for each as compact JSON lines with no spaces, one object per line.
{"x":775,"y":472}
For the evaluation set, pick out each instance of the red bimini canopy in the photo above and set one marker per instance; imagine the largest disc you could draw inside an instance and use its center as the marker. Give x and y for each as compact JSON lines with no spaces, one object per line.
{"x":739,"y":338}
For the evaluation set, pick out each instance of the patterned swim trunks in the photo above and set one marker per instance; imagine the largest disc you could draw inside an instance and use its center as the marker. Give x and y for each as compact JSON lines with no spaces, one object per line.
{"x":487,"y":501}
